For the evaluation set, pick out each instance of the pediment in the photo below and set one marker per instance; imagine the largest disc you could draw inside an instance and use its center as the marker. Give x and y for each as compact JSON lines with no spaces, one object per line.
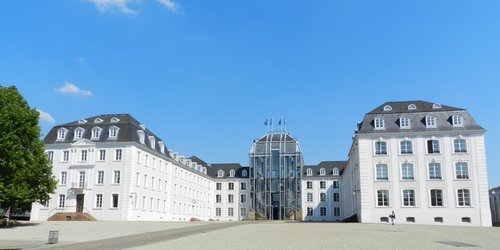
{"x":82,"y":143}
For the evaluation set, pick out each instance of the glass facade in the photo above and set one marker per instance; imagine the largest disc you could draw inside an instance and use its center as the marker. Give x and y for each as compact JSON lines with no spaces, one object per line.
{"x":275,"y":170}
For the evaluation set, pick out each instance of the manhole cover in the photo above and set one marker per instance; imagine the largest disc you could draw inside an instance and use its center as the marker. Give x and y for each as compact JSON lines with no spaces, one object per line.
{"x":456,"y":244}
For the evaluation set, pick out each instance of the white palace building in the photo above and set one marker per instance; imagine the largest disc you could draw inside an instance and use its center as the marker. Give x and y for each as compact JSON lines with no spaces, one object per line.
{"x":424,"y":161}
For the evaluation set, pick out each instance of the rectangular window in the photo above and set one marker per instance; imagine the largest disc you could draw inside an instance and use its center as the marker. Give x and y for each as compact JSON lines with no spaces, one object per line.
{"x":309,"y":197}
{"x":65,"y":156}
{"x":243,"y":211}
{"x":336,"y":211}
{"x":404,"y":122}
{"x":322,"y":211}
{"x":336,"y":184}
{"x":137,"y":174}
{"x":217,"y":211}
{"x":309,"y":185}
{"x":102,"y":154}
{"x":81,"y":180}
{"x":406,"y":147}
{"x":463,"y":197}
{"x":218,"y":198}
{"x":408,"y":198}
{"x":322,"y":197}
{"x":243,"y":198}
{"x":461,"y":171}
{"x":116,"y":177}
{"x":218,"y":186}
{"x":62,"y":200}
{"x":118,"y":154}
{"x":459,"y":146}
{"x":98,"y":200}
{"x":433,"y":147}
{"x":83,"y":155}
{"x":382,"y":172}
{"x":380,"y":148}
{"x":457,"y":120}
{"x":100,"y":177}
{"x":435,"y":171}
{"x":64,"y":178}
{"x":430,"y":121}
{"x":145,"y":182}
{"x":336,"y":197}
{"x":322,"y":184}
{"x":230,"y":186}
{"x":309,"y":211}
{"x":407,"y":171}
{"x":230,"y":198}
{"x":114,"y":200}
{"x":436,"y":198}
{"x":50,"y":155}
{"x":383,"y":198}
{"x":230,"y":211}
{"x":243,"y":186}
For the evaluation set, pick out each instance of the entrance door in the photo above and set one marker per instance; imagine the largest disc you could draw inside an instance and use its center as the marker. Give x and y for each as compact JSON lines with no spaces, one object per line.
{"x":79,"y":203}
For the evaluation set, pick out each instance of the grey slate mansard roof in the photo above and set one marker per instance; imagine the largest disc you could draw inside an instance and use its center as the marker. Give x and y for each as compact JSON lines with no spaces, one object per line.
{"x":417,"y":118}
{"x":128,"y":127}
{"x":227,"y":167}
{"x":327,"y":165}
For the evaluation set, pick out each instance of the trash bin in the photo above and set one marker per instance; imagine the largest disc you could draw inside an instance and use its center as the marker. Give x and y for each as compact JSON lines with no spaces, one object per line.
{"x":53,"y":237}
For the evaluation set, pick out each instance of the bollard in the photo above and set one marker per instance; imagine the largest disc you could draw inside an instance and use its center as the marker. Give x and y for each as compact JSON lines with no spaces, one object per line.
{"x":53,"y":237}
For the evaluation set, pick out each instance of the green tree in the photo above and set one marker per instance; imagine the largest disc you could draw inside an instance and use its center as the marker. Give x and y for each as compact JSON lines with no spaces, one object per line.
{"x":25,"y":170}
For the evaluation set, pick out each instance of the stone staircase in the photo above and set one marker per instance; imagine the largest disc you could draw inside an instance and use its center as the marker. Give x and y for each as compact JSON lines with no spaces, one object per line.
{"x":71,"y":217}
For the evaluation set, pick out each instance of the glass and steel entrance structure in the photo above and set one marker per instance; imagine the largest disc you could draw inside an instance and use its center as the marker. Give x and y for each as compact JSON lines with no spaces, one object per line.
{"x":275,"y":171}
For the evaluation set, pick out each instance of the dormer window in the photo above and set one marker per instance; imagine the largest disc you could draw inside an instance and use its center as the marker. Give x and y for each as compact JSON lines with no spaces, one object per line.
{"x":220,"y":173}
{"x":231,"y":173}
{"x":141,"y":135}
{"x":82,"y":121}
{"x":309,"y":172}
{"x":379,"y":123}
{"x":113,"y":132}
{"x":61,"y":134}
{"x":335,"y":171}
{"x":152,"y":141}
{"x":436,"y":106}
{"x":114,"y":119}
{"x":98,"y":120}
{"x":244,"y":173}
{"x":387,"y":108}
{"x":162,"y":147}
{"x":404,"y":122}
{"x":412,"y":107}
{"x":322,"y":171}
{"x":78,"y":133}
{"x":96,"y":133}
{"x":430,"y":121}
{"x":457,"y":120}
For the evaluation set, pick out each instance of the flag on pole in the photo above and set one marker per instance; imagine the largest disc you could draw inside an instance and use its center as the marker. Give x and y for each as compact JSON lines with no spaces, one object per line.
{"x":271,"y":122}
{"x":279,"y":123}
{"x":266,"y":122}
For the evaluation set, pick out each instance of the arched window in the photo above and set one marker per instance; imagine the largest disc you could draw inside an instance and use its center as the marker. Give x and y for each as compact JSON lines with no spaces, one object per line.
{"x":114,"y":119}
{"x":387,"y":108}
{"x":82,"y":121}
{"x":309,"y":172}
{"x":231,"y":173}
{"x":412,"y":107}
{"x":322,"y":171}
{"x":98,"y":120}
{"x":379,"y":123}
{"x":335,"y":171}
{"x":436,"y":106}
{"x":220,"y":173}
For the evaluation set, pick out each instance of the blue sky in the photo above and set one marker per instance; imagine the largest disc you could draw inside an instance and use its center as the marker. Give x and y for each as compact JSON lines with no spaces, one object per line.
{"x":205,"y":75}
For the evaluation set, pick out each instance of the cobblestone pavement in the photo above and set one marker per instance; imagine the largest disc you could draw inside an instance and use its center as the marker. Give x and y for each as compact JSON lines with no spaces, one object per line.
{"x":247,"y":235}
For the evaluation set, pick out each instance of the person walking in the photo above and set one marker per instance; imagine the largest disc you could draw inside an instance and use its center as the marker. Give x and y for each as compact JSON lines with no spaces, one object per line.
{"x":393,"y":217}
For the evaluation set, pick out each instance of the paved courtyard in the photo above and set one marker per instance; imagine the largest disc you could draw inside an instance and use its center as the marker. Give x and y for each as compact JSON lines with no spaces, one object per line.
{"x":245,"y":235}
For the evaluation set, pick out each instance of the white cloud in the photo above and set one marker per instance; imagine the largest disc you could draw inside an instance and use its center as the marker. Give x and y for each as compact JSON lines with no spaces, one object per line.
{"x":169,"y":4}
{"x":112,"y":5}
{"x":70,"y":88}
{"x":46,"y":117}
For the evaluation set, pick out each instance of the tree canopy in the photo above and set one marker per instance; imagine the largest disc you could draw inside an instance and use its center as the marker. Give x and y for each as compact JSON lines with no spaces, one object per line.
{"x":25,"y":170}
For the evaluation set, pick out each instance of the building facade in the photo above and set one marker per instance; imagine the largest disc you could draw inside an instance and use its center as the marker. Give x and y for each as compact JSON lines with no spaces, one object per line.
{"x":275,"y":171}
{"x":425,"y":161}
{"x":321,"y":189}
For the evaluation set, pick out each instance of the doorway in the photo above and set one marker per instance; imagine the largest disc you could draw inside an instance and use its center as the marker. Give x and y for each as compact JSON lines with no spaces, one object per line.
{"x":79,"y":203}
